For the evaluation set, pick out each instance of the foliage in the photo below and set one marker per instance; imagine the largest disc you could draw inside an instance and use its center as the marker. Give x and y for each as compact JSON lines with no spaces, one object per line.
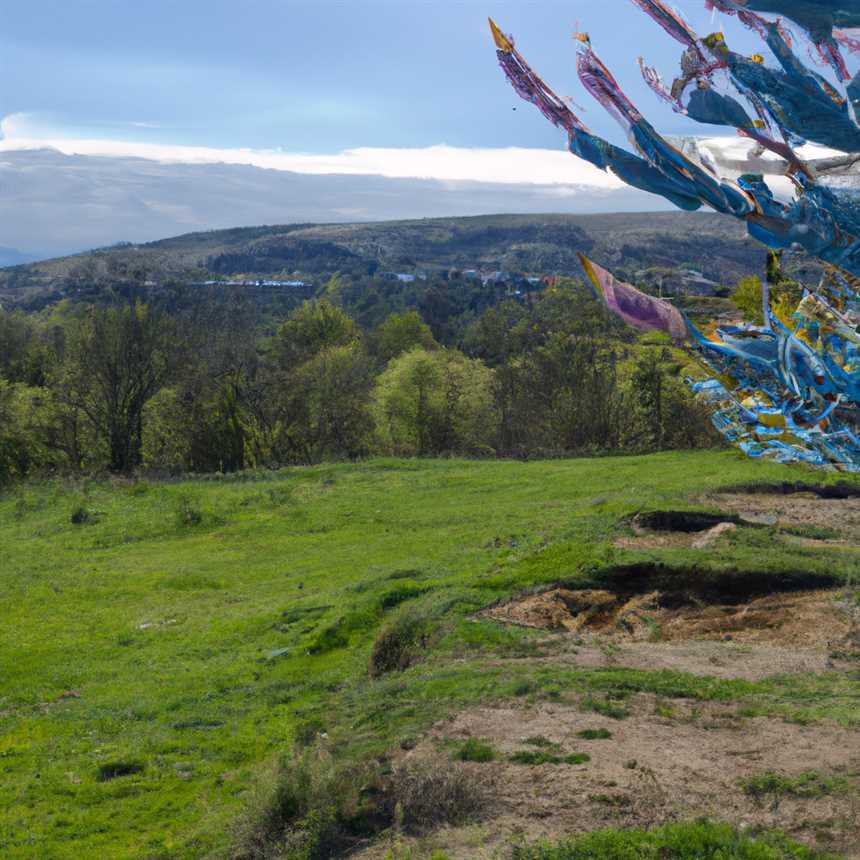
{"x":703,"y":840}
{"x":474,"y":749}
{"x":434,"y":403}
{"x":400,"y":333}
{"x":807,"y":784}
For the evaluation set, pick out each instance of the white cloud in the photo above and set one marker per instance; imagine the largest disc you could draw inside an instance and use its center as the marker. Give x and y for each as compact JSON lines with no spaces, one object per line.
{"x":506,"y":166}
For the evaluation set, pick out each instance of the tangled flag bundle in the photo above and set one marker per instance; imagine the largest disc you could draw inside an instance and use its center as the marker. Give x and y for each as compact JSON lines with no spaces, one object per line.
{"x":789,"y":389}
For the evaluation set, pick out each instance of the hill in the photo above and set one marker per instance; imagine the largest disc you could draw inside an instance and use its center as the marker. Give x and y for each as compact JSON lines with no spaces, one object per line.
{"x":713,"y":245}
{"x":167,"y":644}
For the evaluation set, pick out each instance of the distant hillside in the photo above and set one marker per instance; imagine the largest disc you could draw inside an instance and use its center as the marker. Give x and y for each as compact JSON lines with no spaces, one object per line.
{"x":714,"y":245}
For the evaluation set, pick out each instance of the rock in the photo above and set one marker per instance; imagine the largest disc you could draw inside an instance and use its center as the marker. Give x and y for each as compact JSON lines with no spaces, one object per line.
{"x":707,"y":538}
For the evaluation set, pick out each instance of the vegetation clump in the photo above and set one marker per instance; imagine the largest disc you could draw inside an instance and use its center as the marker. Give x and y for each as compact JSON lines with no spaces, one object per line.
{"x":475,"y":749}
{"x":400,"y":644}
{"x":810,"y":783}
{"x":535,"y":757}
{"x":700,"y":840}
{"x":594,"y":734}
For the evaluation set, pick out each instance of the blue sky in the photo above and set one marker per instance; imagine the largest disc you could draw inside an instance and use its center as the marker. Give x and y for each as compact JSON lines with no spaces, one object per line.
{"x":132,"y":121}
{"x":318,"y":76}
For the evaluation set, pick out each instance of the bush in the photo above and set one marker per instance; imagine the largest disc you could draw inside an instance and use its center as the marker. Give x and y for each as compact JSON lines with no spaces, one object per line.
{"x":429,"y":793}
{"x":400,"y":644}
{"x":311,"y":809}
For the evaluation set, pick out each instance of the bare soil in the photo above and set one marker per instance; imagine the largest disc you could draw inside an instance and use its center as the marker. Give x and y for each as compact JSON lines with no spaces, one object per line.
{"x":818,"y":618}
{"x":653,"y":770}
{"x":795,"y":509}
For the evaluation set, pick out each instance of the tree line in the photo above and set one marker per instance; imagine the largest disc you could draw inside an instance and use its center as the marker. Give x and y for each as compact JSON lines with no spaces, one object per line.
{"x":215,"y":385}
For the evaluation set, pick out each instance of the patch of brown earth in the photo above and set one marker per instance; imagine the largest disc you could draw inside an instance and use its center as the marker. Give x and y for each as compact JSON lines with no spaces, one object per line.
{"x":796,"y":509}
{"x":801,"y":618}
{"x":703,"y":658}
{"x":654,"y":769}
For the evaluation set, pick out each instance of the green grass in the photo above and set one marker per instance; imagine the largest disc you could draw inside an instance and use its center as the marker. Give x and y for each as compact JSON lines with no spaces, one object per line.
{"x":807,"y":784}
{"x":474,"y":749}
{"x":701,"y":840}
{"x":535,"y":757}
{"x":594,"y":734}
{"x":199,"y":629}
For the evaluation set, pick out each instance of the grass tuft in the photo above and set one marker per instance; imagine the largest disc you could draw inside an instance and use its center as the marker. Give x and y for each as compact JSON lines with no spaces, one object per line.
{"x":475,"y":749}
{"x":594,"y":734}
{"x":810,"y":783}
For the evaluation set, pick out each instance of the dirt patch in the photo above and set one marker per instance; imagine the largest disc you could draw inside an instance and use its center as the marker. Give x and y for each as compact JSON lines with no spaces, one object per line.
{"x":705,"y":658}
{"x":841,"y":515}
{"x":662,"y":608}
{"x":656,"y":769}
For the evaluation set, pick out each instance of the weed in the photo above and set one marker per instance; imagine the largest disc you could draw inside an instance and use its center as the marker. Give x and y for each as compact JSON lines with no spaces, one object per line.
{"x":810,"y":783}
{"x":594,"y":734}
{"x":540,"y":741}
{"x":698,"y":840}
{"x":429,"y":793}
{"x":533,"y":757}
{"x":475,"y":749}
{"x":605,"y":707}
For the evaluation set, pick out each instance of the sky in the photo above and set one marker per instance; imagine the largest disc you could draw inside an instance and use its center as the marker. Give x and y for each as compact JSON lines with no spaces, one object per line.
{"x":402,"y":89}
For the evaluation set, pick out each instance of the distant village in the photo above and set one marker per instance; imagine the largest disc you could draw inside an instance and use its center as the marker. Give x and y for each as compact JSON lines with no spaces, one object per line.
{"x":515,"y":282}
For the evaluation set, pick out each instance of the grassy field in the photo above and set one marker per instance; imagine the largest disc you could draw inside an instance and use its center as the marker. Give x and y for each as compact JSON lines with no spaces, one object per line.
{"x":162,"y":643}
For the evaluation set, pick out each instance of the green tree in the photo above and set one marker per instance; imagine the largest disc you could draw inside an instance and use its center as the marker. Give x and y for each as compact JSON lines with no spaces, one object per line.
{"x":400,"y":333}
{"x":315,"y":326}
{"x":333,"y":389}
{"x":435,"y":402}
{"x":117,"y":359}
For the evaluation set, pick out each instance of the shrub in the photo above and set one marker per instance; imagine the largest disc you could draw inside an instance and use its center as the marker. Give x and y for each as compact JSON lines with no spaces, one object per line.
{"x":428,"y":793}
{"x":475,"y":749}
{"x":400,"y":644}
{"x":310,"y":809}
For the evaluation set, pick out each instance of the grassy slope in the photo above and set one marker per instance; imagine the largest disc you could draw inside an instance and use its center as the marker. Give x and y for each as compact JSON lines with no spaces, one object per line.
{"x":165,"y":629}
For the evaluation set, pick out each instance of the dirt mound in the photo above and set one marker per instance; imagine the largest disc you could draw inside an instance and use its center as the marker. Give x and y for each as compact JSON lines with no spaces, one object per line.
{"x":814,"y":617}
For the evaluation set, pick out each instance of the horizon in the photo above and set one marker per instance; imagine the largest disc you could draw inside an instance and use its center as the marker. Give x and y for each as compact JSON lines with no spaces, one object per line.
{"x":134,"y":130}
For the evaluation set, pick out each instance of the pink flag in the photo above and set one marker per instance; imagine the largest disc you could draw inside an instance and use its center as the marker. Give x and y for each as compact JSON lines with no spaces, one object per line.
{"x":633,"y":306}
